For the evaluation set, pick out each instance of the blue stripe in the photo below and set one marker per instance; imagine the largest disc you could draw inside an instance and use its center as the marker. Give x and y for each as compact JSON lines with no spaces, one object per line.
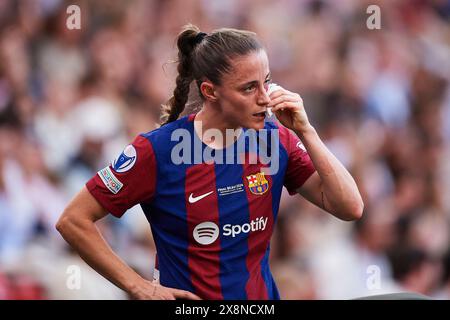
{"x":272,"y":290}
{"x":167,"y":213}
{"x":276,"y":189}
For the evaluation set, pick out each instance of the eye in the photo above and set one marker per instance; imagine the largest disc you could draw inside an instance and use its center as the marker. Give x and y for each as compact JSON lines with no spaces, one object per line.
{"x":266,"y":83}
{"x":249,"y":88}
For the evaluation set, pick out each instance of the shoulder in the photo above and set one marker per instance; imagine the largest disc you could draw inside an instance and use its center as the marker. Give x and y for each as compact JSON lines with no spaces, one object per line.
{"x":163,"y":139}
{"x":161,"y":136}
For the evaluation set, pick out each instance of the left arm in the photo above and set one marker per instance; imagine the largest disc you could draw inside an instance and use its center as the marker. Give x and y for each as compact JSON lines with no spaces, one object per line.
{"x":331,"y":187}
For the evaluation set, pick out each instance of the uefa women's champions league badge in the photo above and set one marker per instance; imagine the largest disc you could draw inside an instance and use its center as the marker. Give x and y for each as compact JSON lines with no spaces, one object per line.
{"x":126,"y":160}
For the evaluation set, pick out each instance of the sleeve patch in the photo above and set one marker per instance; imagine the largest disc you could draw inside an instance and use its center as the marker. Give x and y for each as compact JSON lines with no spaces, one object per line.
{"x":110,"y":180}
{"x":126,"y":160}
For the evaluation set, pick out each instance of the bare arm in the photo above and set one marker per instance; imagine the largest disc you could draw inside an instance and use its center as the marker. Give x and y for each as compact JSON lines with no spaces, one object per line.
{"x":331,"y":187}
{"x":77,"y":226}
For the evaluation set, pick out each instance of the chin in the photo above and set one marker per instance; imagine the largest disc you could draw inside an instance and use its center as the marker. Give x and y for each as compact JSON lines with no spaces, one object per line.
{"x":256,"y":125}
{"x":259,"y":126}
{"x":252,"y":123}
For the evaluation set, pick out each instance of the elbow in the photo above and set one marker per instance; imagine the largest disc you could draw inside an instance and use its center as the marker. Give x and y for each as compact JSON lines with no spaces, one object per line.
{"x":353,"y":212}
{"x":64,"y":225}
{"x":356,"y":211}
{"x":72,"y":224}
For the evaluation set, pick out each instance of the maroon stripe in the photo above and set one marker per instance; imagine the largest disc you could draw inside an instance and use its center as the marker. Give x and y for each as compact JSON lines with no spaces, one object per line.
{"x":260,"y":206}
{"x":300,"y":166}
{"x":203,"y":259}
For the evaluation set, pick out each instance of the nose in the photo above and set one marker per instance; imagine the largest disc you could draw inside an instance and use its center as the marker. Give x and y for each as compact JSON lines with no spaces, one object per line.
{"x":263,"y":97}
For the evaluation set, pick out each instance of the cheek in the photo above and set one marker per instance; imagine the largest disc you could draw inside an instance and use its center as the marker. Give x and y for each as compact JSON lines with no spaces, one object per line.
{"x":236,"y":104}
{"x":245,"y":103}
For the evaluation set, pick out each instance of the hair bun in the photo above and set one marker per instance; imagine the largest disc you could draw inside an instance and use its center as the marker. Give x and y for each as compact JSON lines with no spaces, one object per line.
{"x":199,"y":37}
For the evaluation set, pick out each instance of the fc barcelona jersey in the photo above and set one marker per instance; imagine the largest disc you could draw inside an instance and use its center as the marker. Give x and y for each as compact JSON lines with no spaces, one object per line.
{"x":211,"y":220}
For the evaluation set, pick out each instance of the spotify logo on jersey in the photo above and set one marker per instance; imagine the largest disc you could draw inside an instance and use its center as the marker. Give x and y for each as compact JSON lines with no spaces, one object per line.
{"x":206,"y":233}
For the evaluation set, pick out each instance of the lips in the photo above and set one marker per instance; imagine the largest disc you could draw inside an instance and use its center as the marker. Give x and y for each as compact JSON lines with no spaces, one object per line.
{"x":261,"y":114}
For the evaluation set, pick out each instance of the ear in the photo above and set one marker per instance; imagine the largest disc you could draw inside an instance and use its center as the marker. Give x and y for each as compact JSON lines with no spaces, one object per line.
{"x":208,"y":91}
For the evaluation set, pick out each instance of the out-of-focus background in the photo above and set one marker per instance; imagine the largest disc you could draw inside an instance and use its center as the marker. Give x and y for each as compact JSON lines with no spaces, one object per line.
{"x":70,"y":100}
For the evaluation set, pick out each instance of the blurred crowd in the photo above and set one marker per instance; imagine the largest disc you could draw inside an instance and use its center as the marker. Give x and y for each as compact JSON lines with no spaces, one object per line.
{"x":70,"y":100}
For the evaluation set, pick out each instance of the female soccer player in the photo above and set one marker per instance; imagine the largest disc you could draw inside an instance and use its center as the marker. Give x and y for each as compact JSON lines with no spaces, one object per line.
{"x":211,"y":221}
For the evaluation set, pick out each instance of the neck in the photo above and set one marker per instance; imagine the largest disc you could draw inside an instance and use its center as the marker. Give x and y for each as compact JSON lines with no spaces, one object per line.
{"x":210,"y":117}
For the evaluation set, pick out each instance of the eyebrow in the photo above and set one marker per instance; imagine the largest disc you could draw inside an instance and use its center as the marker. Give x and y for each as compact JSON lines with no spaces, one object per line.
{"x":256,"y":81}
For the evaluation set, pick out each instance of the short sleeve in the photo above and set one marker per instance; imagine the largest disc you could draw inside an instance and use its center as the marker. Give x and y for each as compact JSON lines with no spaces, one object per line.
{"x":299,"y":166}
{"x":129,"y":180}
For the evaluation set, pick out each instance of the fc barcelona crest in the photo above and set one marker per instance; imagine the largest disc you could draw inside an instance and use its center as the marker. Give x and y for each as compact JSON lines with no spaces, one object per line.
{"x":257,"y":183}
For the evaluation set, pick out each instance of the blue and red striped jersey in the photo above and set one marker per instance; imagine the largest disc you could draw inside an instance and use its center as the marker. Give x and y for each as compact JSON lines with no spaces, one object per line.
{"x":211,"y":221}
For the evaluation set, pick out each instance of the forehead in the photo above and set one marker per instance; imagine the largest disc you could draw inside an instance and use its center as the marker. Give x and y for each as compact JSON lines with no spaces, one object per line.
{"x":251,"y":67}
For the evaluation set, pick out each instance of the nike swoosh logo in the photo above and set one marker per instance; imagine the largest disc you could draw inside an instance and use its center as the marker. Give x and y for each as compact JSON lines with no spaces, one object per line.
{"x":193,"y":199}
